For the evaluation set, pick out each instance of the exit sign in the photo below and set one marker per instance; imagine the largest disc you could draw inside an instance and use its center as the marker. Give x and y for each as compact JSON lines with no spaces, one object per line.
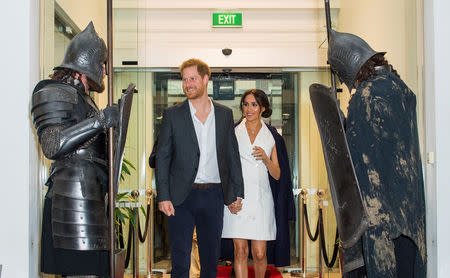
{"x":227,"y":20}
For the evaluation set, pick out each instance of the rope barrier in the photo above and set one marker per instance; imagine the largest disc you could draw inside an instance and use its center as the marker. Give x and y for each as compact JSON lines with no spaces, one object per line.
{"x":320,"y":231}
{"x":130,"y":239}
{"x":324,"y":248}
{"x":147,"y":218}
{"x":308,"y":229}
{"x":142,"y":237}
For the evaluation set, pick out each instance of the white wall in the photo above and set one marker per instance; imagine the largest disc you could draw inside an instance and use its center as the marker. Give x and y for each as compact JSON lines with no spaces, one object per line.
{"x":437,"y":103}
{"x":19,"y":73}
{"x":280,"y":34}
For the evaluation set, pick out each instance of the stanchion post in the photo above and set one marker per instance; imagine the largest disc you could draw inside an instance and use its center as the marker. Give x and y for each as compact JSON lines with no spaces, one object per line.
{"x":149,"y":196}
{"x":135,"y":195}
{"x":303,"y":274}
{"x":151,"y":201}
{"x":303,"y":194}
{"x":320,"y":194}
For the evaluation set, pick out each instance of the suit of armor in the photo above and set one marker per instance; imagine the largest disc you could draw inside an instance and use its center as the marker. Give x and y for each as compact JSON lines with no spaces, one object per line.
{"x":382,"y":136}
{"x":71,"y":131}
{"x":384,"y":143}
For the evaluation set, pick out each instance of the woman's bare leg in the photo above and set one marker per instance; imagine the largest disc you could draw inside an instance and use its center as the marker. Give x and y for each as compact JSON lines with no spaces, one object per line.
{"x":240,"y":257}
{"x":259,"y":257}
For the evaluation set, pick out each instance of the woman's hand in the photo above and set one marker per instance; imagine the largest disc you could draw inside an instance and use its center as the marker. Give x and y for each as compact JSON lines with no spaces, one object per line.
{"x":270,"y":162}
{"x":260,"y":154}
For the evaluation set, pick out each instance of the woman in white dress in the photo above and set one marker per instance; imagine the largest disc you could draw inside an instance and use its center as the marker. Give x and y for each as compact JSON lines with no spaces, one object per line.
{"x":256,"y":220}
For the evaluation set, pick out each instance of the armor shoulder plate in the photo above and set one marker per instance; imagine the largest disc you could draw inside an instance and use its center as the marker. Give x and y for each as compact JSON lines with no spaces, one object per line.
{"x":53,"y":104}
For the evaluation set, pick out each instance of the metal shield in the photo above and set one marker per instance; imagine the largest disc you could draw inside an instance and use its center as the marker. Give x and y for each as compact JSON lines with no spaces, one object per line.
{"x":120,"y":133}
{"x":351,"y":216}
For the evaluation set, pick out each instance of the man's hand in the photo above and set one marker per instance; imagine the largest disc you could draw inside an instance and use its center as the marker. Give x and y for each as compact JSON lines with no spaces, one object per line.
{"x":166,"y":207}
{"x":236,"y":206}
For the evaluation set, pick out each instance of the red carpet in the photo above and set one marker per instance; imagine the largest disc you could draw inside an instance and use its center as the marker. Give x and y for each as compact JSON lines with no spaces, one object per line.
{"x":225,"y":272}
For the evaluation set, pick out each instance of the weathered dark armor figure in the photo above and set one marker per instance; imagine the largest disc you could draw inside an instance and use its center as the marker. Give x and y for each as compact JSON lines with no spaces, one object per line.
{"x":71,"y":132}
{"x":381,"y":131}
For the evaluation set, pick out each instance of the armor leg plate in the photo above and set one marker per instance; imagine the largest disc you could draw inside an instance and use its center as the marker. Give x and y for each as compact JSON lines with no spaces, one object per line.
{"x":79,"y":217}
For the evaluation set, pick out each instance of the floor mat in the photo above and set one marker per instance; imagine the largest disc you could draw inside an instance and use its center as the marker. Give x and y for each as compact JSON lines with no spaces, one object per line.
{"x":271,"y":271}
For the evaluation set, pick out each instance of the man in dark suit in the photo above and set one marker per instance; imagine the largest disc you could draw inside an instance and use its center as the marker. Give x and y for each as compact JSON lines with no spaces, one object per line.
{"x":198,"y":171}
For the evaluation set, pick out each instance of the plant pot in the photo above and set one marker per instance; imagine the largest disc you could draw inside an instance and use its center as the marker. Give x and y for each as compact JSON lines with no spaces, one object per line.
{"x":119,"y":260}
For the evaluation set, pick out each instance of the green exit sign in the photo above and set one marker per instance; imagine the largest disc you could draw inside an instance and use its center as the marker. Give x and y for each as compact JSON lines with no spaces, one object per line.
{"x":227,"y":20}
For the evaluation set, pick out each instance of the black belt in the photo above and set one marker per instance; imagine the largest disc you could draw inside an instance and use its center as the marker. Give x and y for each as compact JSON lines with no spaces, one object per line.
{"x":204,"y":185}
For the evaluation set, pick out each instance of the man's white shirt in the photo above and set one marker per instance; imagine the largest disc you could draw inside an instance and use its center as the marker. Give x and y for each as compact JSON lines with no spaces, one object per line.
{"x":208,"y":167}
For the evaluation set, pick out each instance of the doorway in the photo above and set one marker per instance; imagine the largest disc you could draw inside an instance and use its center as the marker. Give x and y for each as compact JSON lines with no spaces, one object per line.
{"x":227,"y":88}
{"x":292,"y":116}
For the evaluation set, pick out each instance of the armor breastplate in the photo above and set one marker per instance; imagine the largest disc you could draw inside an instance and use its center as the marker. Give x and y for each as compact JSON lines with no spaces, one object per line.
{"x":78,"y":180}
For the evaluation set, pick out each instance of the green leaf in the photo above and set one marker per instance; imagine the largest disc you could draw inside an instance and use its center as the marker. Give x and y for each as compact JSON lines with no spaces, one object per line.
{"x":126,"y":165}
{"x":125,"y":170}
{"x":126,"y":162}
{"x":120,"y":196}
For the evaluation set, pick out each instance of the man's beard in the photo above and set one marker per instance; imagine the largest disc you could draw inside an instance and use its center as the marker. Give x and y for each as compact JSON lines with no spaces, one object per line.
{"x":103,"y":86}
{"x":94,"y":87}
{"x":197,"y":93}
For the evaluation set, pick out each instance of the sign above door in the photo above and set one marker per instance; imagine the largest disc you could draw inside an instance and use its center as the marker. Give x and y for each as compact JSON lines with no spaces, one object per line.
{"x":233,"y":20}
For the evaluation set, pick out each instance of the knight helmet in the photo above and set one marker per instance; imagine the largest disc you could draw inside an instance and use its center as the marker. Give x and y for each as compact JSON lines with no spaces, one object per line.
{"x":347,"y":53}
{"x":86,"y":53}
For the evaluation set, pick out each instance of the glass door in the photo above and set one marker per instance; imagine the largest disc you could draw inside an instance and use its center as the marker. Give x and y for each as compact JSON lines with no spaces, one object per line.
{"x":227,"y":89}
{"x":292,"y":116}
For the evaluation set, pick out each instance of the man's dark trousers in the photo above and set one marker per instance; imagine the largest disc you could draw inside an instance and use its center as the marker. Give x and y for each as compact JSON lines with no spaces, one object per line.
{"x":177,"y":160}
{"x":203,"y":208}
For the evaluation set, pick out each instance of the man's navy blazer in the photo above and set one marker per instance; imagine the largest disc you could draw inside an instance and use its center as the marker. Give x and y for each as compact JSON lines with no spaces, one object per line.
{"x":178,"y":155}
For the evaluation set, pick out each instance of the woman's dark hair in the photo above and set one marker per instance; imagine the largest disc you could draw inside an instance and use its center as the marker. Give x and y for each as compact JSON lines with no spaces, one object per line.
{"x":261,"y":99}
{"x":368,"y":69}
